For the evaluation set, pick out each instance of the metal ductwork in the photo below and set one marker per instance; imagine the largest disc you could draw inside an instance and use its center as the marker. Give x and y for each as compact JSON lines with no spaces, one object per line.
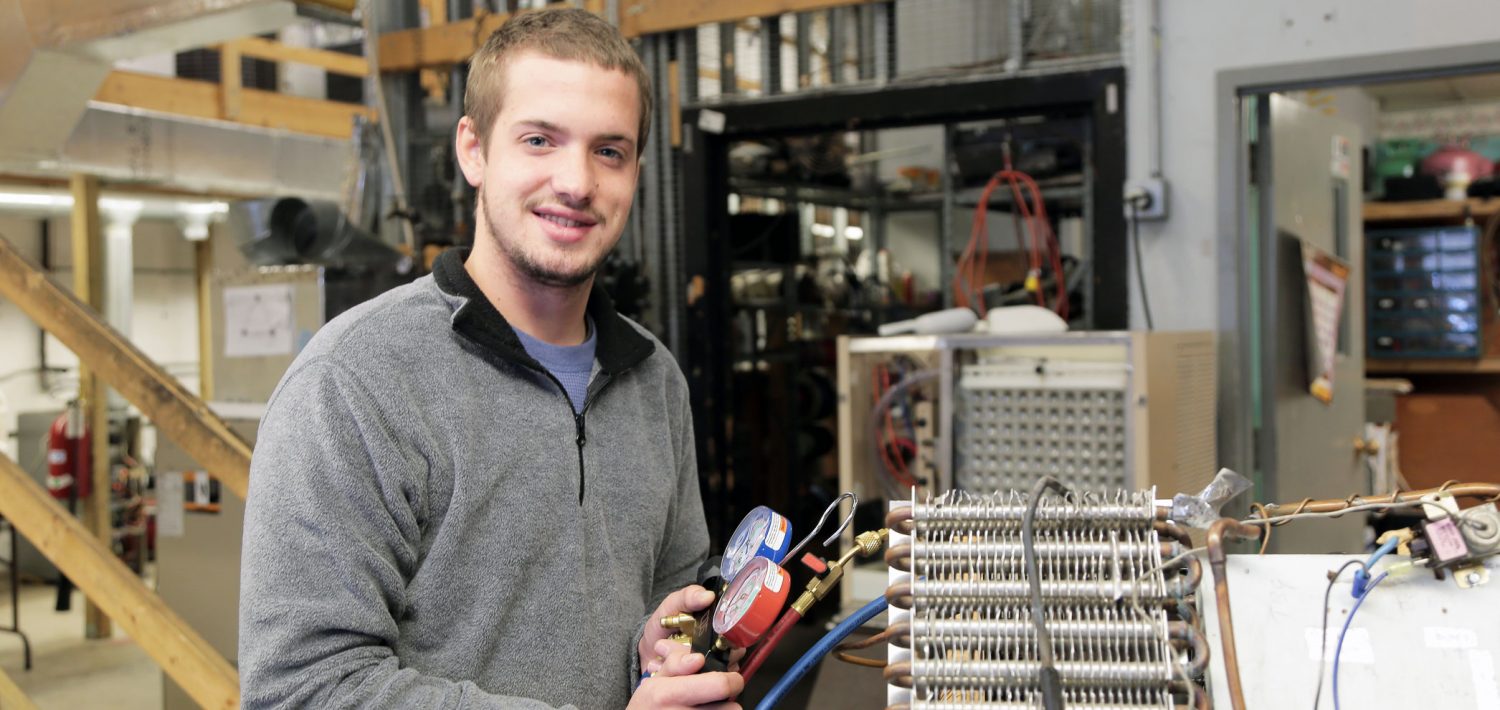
{"x":132,"y":146}
{"x":55,"y":54}
{"x":290,"y":230}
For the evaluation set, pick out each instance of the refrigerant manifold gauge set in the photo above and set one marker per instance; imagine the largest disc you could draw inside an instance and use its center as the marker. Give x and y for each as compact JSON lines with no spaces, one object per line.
{"x":752,"y":587}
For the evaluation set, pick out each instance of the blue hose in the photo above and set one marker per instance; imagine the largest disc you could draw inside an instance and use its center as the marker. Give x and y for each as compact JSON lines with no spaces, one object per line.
{"x":1362,"y":575}
{"x":1339,"y":649}
{"x":820,"y":649}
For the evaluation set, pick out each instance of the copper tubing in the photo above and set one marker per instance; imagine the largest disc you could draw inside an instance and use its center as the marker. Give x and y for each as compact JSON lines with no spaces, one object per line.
{"x":1195,"y":575}
{"x":898,"y":556}
{"x":1331,"y":505}
{"x":900,"y":634}
{"x":899,"y":519}
{"x":899,"y":595}
{"x":898,"y":674}
{"x":1172,"y":532}
{"x":1222,"y":529}
{"x":1183,"y":632}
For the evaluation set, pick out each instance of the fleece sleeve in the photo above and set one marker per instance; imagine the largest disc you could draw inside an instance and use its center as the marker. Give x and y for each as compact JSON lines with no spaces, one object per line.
{"x":684,"y":542}
{"x":332,"y":531}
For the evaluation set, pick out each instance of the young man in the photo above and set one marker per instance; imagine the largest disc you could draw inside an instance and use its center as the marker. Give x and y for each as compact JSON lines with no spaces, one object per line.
{"x":470,"y":491}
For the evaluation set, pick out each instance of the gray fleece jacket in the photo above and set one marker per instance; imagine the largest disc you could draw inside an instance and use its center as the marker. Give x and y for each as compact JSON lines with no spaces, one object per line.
{"x":429,"y":525}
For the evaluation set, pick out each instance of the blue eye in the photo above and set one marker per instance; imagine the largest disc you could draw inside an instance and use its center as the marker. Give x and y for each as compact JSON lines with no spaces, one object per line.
{"x":612,"y":153}
{"x":536,"y":141}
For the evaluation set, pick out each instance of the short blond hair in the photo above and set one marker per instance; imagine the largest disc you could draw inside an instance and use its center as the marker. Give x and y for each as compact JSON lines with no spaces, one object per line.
{"x":561,"y":33}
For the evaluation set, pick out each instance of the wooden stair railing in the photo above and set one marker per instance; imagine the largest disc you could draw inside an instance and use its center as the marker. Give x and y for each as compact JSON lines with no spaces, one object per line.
{"x":183,"y":655}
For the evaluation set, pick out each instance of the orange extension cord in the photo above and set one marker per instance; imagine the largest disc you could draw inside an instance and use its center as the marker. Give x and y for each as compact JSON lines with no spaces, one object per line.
{"x":1037,"y":232}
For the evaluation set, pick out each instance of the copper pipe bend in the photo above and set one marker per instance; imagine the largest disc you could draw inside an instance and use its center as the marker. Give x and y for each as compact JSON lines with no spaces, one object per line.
{"x":1224,"y":529}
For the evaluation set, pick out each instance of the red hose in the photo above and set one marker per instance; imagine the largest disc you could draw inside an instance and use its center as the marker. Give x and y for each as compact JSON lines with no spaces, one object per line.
{"x":763,"y":649}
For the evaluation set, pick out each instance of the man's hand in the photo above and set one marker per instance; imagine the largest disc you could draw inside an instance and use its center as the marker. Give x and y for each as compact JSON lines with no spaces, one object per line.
{"x":676,"y":683}
{"x":688,"y":600}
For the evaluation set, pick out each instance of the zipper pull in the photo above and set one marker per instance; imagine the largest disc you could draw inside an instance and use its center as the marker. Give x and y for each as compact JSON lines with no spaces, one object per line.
{"x":578,"y":419}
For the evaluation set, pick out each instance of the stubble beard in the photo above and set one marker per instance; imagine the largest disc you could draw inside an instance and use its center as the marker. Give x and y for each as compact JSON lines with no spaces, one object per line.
{"x":537,"y":273}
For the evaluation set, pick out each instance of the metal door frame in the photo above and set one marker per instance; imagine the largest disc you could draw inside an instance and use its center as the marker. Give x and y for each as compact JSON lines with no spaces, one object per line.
{"x":1240,"y":446}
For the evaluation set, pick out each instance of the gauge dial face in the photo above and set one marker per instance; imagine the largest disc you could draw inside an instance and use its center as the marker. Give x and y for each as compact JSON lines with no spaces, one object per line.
{"x":753,"y":601}
{"x":741,"y":595}
{"x":763,"y":532}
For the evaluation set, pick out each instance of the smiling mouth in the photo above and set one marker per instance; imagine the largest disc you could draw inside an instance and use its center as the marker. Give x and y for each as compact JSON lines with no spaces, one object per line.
{"x":563,"y":221}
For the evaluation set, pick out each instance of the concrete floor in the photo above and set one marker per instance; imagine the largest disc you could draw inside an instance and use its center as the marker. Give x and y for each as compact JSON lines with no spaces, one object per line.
{"x":67,"y":670}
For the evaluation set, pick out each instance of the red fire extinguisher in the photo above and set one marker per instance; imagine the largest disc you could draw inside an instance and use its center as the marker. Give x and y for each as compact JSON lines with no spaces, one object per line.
{"x":63,"y":442}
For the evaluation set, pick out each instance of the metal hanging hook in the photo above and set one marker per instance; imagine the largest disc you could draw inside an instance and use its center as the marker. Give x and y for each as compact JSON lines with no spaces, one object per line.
{"x":832,"y":508}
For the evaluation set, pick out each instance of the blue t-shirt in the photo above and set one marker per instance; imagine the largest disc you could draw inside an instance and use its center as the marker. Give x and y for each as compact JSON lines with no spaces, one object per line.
{"x":570,"y":364}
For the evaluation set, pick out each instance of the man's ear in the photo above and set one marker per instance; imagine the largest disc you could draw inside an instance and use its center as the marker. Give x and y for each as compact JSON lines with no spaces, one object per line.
{"x":470,"y":151}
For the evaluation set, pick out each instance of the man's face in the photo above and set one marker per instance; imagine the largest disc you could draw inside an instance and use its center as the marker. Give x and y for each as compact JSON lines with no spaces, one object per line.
{"x":557,"y":180}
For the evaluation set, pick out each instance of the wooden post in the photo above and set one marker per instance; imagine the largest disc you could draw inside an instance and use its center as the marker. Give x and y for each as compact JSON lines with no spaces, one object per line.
{"x":93,"y":394}
{"x":230,"y":80}
{"x":204,"y":267}
{"x":159,"y":631}
{"x":435,"y":81}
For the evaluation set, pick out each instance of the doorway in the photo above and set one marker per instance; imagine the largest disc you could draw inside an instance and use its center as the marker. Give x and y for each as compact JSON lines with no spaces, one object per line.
{"x":1305,"y":149}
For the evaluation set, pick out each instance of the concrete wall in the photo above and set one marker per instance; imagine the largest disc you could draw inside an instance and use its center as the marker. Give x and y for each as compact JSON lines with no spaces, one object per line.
{"x":1200,"y":39}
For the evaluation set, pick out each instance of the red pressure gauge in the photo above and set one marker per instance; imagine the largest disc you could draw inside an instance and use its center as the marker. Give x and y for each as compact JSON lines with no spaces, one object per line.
{"x":755,"y":598}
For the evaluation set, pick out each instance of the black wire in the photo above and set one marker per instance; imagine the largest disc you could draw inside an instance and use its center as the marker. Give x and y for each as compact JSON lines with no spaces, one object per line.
{"x":1047,"y":676}
{"x":1140,"y":272}
{"x":1323,"y":636}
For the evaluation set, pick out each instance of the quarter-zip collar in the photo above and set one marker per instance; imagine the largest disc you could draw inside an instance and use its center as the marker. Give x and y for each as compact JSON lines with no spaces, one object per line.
{"x":619,"y":346}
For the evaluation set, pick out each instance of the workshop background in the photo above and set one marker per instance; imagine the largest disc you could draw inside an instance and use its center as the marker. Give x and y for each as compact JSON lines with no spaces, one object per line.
{"x":1182,"y":236}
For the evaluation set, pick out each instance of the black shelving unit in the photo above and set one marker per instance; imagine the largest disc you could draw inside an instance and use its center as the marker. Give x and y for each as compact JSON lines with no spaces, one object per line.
{"x":1091,"y":99}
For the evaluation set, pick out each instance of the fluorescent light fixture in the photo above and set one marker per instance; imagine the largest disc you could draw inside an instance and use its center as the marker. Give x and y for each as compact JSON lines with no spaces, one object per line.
{"x":854,"y":233}
{"x":197,"y":213}
{"x":203,"y":208}
{"x":121,"y":207}
{"x":34,"y":199}
{"x":822,"y":230}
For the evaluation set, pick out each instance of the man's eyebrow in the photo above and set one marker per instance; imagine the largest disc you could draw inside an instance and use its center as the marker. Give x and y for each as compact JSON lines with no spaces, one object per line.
{"x":618,"y":138}
{"x":549,"y":127}
{"x":540,"y":125}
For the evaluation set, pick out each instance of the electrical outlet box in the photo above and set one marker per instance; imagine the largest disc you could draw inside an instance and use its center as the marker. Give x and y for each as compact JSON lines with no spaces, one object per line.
{"x":1155,"y":204}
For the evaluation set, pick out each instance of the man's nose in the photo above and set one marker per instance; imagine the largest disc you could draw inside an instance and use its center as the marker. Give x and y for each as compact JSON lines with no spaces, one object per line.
{"x":574,"y":180}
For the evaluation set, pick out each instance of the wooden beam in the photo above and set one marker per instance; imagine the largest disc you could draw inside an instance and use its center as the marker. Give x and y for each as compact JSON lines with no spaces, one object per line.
{"x":202,"y":99}
{"x":336,"y":62}
{"x":11,"y":695}
{"x":93,"y":394}
{"x":302,"y":115}
{"x":199,"y":99}
{"x":179,"y":415}
{"x":344,"y":6}
{"x":644,"y":17}
{"x":91,"y":565}
{"x":203,"y":263}
{"x":455,"y":42}
{"x":1431,"y":210}
{"x":443,"y":45}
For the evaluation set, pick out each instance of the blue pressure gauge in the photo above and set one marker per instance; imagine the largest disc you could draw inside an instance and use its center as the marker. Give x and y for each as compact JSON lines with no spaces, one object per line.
{"x":763,"y":533}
